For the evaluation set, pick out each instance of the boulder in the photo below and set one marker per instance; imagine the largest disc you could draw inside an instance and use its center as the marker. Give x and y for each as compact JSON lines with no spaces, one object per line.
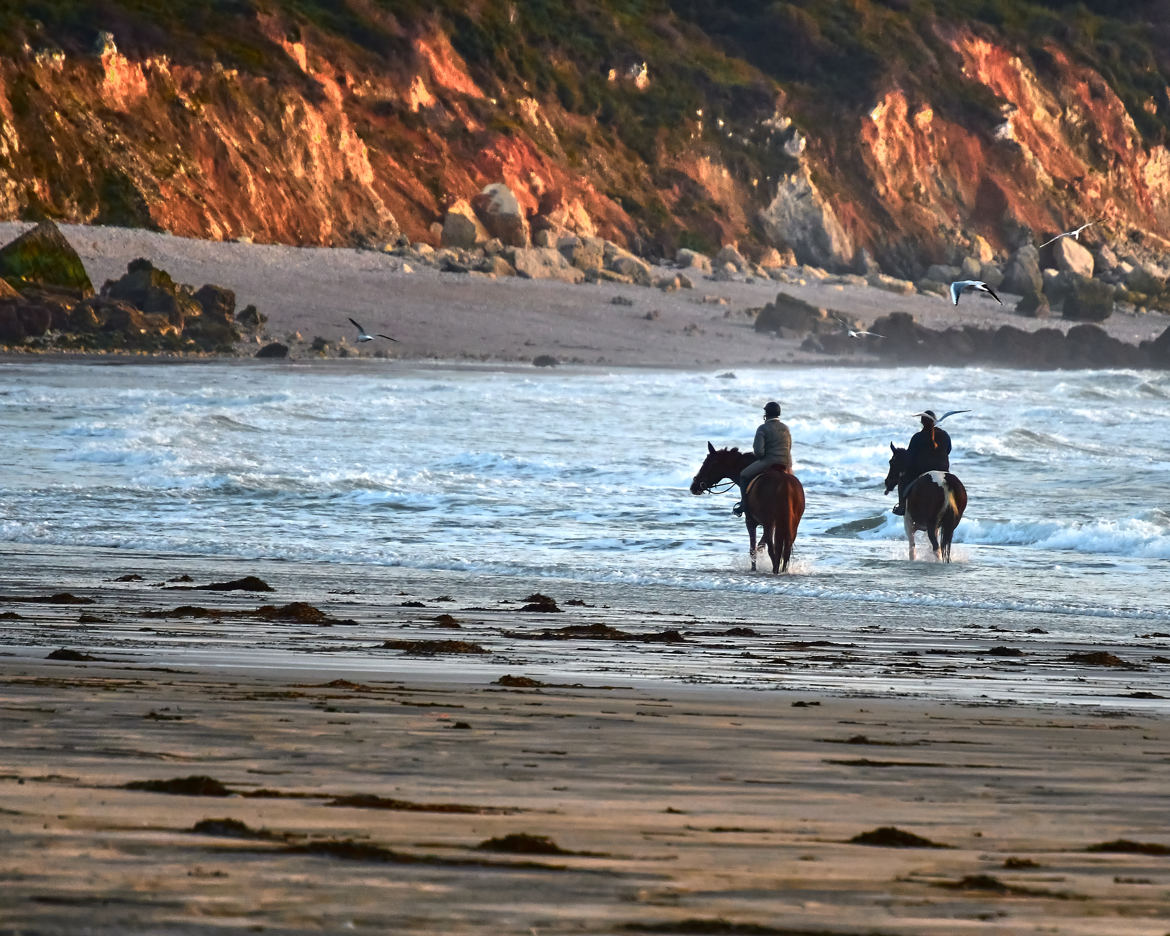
{"x":981,"y":250}
{"x":1089,"y":301}
{"x":462,"y":227}
{"x":8,"y":292}
{"x":730,"y":254}
{"x":687,"y":258}
{"x":214,"y":328}
{"x":1159,"y":349}
{"x":153,"y":291}
{"x":43,"y":257}
{"x":1022,"y":273}
{"x":943,"y":273}
{"x":273,"y":350}
{"x":12,"y":330}
{"x":543,"y":263}
{"x":500,"y":213}
{"x":790,"y":316}
{"x":991,"y":274}
{"x":892,"y":284}
{"x":625,"y":263}
{"x":1034,"y":305}
{"x":1146,"y":279}
{"x":251,"y":321}
{"x":800,"y":217}
{"x":971,"y":268}
{"x":587,"y":255}
{"x":1069,"y":256}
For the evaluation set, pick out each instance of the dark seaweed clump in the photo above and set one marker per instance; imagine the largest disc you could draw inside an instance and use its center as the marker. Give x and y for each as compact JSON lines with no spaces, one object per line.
{"x":893,"y":837}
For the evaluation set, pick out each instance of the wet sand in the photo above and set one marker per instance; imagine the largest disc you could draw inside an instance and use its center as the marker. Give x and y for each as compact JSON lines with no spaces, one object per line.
{"x":709,"y":782}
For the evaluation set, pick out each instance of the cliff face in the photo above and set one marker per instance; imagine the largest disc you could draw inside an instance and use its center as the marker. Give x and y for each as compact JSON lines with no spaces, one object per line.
{"x":300,"y":133}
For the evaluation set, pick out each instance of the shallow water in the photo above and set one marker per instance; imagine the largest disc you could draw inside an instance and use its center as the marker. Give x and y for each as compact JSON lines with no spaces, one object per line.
{"x":582,"y":477}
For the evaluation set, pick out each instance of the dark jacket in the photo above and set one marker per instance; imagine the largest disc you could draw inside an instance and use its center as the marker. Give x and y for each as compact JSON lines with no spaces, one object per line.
{"x":929,"y":450}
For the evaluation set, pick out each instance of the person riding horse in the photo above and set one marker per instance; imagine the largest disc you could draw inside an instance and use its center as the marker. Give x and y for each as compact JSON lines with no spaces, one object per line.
{"x":929,"y":450}
{"x":772,"y":446}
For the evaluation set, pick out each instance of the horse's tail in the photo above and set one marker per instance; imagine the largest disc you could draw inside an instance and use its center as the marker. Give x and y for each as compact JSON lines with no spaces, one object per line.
{"x":953,"y":504}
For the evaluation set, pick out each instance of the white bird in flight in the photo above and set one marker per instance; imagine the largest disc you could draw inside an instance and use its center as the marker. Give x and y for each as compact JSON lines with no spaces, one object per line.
{"x":961,"y":286}
{"x":364,"y":335}
{"x":853,"y":333}
{"x":1074,"y":234}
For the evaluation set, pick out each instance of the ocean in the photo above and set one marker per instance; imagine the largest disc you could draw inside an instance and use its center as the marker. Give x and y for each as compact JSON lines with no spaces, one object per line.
{"x":575,"y":481}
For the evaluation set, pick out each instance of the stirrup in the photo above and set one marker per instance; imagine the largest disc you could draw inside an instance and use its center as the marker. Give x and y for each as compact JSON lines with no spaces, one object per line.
{"x":738,"y":509}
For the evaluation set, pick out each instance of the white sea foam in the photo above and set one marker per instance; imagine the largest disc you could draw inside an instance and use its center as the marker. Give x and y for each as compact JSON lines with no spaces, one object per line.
{"x":585,"y":476}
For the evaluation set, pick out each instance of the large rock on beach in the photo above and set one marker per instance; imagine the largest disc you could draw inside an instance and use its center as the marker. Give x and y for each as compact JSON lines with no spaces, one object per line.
{"x":462,"y":228}
{"x":152,"y":290}
{"x":544,"y":263}
{"x":791,"y":317}
{"x":501,"y":215}
{"x":1089,"y":301}
{"x":1022,"y":273}
{"x":800,"y":217}
{"x":43,"y":257}
{"x":1070,"y":256}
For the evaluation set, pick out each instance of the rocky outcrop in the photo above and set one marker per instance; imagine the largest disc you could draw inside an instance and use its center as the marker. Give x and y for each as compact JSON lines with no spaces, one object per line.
{"x":1082,"y":346}
{"x":43,"y":257}
{"x":800,"y":218}
{"x":143,"y":310}
{"x":500,"y":213}
{"x":790,"y":317}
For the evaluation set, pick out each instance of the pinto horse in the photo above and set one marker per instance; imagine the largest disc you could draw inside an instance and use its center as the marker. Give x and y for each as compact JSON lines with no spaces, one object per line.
{"x":775,"y":501}
{"x":935,"y":502}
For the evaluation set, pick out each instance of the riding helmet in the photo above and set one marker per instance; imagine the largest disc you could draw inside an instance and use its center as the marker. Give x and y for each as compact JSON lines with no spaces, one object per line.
{"x":771,"y":410}
{"x":928,"y":414}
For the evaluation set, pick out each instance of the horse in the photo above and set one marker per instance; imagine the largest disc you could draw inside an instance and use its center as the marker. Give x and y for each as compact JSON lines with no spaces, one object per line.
{"x":935,"y":502}
{"x":774,"y":500}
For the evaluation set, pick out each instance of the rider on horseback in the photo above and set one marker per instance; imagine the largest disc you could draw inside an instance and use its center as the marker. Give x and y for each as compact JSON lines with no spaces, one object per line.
{"x":772,"y":446}
{"x":929,"y":450}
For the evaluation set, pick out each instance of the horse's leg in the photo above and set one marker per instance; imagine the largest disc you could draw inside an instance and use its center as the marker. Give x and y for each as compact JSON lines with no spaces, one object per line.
{"x":908,"y":523}
{"x":932,"y":533}
{"x":773,"y":549}
{"x":751,"y":528}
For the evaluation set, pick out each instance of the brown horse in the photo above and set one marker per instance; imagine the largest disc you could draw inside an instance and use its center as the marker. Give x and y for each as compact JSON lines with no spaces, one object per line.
{"x":774,"y":501}
{"x":935,"y":502}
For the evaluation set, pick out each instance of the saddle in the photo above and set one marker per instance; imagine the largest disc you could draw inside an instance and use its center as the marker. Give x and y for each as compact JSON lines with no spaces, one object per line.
{"x":779,"y":469}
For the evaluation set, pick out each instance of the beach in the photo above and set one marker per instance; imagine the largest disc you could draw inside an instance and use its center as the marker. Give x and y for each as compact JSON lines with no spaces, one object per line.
{"x":309,"y":292}
{"x":287,"y":647}
{"x":214,"y":767}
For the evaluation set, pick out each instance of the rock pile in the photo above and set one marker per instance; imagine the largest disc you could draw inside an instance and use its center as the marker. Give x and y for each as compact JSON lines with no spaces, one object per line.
{"x":47,"y":302}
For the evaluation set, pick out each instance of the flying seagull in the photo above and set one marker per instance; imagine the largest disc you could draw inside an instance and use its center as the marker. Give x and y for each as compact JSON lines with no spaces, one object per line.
{"x":848,"y":327}
{"x":961,"y":286}
{"x":364,"y":335}
{"x":950,"y":413}
{"x":1074,"y":234}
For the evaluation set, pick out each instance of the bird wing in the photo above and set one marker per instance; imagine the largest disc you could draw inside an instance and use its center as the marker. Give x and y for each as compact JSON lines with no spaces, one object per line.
{"x":357,"y":326}
{"x":1055,"y":239}
{"x":956,"y":288}
{"x":990,"y":292}
{"x":387,"y":337}
{"x":950,"y":413}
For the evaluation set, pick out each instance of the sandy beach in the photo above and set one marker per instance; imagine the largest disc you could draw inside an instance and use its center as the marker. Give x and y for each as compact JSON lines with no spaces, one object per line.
{"x":311,"y":292}
{"x":350,"y":778}
{"x":371,"y":749}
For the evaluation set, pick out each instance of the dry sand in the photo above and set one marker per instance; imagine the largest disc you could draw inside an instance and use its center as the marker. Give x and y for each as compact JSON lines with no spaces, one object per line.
{"x":459,"y":317}
{"x":360,"y":782}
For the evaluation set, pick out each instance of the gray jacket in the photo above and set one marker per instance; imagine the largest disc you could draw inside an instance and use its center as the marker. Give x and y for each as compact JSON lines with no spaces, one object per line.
{"x":773,"y":443}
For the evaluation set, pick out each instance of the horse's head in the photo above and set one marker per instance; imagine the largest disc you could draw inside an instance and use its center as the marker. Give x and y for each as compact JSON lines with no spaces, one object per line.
{"x":717,"y":466}
{"x":898,"y":462}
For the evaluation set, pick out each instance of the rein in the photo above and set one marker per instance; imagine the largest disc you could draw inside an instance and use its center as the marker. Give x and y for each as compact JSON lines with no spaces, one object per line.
{"x":711,"y":489}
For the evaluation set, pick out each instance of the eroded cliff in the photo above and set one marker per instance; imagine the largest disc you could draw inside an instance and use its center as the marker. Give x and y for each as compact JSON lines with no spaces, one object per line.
{"x":260,"y":120}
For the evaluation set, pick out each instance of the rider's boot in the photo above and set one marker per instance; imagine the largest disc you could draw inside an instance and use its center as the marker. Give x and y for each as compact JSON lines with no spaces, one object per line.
{"x":899,"y":509}
{"x":738,"y":508}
